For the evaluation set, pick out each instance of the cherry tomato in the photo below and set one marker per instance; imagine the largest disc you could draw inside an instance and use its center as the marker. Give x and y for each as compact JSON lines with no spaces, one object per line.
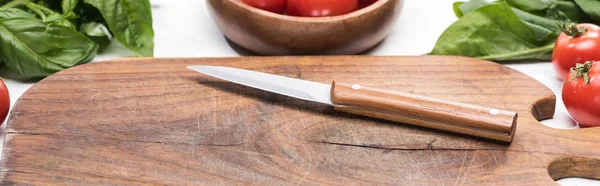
{"x":365,"y":3}
{"x":574,"y":46}
{"x":582,"y":98}
{"x":320,"y":8}
{"x":275,"y":6}
{"x":4,"y":101}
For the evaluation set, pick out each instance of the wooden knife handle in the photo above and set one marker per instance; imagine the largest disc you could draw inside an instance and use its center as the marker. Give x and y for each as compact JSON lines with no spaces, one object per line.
{"x":424,"y":111}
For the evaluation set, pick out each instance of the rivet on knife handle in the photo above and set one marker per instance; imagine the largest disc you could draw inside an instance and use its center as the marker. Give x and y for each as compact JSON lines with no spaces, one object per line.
{"x":424,"y":111}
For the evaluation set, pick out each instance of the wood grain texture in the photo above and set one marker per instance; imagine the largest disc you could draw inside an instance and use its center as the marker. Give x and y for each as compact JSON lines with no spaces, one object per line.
{"x":268,"y":33}
{"x":154,"y":122}
{"x":425,"y":111}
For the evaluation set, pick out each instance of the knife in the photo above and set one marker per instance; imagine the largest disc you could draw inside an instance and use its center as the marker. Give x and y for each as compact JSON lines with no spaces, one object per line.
{"x":489,"y":123}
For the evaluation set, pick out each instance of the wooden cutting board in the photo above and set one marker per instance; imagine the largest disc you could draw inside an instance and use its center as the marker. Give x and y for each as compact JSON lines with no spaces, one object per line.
{"x":153,"y":121}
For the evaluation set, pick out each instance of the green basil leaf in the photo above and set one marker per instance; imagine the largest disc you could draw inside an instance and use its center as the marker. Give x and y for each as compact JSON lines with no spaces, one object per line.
{"x":14,"y":13}
{"x":558,"y":10}
{"x":567,"y":11}
{"x":102,"y":42}
{"x":544,"y":29}
{"x":68,"y":6}
{"x":492,"y":32}
{"x":95,"y":29}
{"x":590,"y":7}
{"x":33,"y":48}
{"x":472,"y":5}
{"x":130,"y":21}
{"x":537,"y":7}
{"x":98,"y":33}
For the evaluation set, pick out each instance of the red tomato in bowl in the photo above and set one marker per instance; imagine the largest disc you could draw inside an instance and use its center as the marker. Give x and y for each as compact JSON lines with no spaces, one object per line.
{"x":320,"y":8}
{"x":365,"y":3}
{"x":571,"y":48}
{"x":275,"y":6}
{"x":582,"y":98}
{"x":4,"y":101}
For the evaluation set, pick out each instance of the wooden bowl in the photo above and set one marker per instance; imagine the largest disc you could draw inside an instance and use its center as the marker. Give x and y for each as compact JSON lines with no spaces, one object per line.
{"x":268,"y":33}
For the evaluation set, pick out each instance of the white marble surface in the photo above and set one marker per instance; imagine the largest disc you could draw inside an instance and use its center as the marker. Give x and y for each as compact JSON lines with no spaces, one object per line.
{"x":184,"y":29}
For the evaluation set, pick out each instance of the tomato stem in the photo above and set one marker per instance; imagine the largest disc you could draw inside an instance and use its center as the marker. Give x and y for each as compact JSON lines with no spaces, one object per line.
{"x":572,"y":30}
{"x":582,"y":71}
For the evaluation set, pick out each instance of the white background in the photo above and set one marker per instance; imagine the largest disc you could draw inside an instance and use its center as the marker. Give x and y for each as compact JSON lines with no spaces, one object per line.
{"x":184,"y":29}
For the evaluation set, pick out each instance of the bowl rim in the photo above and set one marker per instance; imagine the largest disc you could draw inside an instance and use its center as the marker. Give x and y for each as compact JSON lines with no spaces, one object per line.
{"x":378,"y":4}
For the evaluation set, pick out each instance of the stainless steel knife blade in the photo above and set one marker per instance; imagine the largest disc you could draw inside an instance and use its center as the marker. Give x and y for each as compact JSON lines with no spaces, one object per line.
{"x":297,"y":88}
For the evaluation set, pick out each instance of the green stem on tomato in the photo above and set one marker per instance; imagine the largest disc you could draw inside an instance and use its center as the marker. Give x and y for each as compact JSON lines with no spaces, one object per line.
{"x":582,"y":71}
{"x":546,"y":48}
{"x":572,"y":30}
{"x":14,"y":4}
